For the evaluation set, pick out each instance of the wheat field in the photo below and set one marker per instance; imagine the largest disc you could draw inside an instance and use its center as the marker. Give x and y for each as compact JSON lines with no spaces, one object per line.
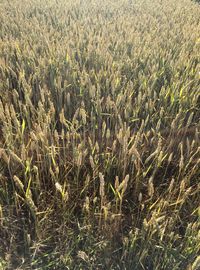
{"x":100,"y":134}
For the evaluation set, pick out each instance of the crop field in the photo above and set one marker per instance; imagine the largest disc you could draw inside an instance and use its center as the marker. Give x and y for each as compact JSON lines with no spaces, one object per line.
{"x":99,"y":134}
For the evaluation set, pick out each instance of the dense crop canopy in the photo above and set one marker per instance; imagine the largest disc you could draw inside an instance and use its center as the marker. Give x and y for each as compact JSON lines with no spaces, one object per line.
{"x":99,"y":134}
